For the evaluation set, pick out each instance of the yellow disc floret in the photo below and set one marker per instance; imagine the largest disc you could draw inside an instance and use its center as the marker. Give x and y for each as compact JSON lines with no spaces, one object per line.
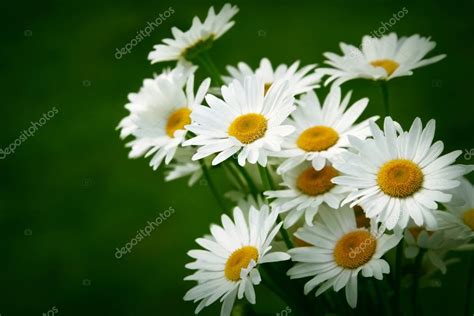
{"x":354,"y":249}
{"x":313,"y":183}
{"x":239,"y":259}
{"x":317,"y":138}
{"x":400,"y":178}
{"x":248,"y":128}
{"x":468,"y":218}
{"x":389,"y":65}
{"x":178,"y":120}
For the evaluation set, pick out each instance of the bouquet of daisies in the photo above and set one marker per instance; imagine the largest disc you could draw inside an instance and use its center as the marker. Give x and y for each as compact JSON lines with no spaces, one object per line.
{"x":320,"y":196}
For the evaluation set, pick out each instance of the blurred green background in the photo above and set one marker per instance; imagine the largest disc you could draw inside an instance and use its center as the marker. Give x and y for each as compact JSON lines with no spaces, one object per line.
{"x":69,"y":196}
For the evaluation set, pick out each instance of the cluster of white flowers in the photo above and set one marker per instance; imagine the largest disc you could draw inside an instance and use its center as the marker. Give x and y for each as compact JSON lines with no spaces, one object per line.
{"x":348,"y":191}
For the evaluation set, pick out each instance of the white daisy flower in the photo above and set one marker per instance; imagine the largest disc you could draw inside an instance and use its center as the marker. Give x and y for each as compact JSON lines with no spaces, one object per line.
{"x":158,"y":114}
{"x":322,"y":131}
{"x":400,"y":175}
{"x":182,"y":166}
{"x":435,"y":244}
{"x":201,"y":35}
{"x":247,"y":121}
{"x":339,"y":251}
{"x":307,"y":189}
{"x":179,"y":74}
{"x":228,"y":266}
{"x":459,"y":218}
{"x":382,"y":58}
{"x":300,"y":81}
{"x":245,"y":201}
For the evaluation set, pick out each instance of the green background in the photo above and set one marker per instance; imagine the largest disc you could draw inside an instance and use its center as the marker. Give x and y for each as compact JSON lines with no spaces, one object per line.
{"x":69,"y":196}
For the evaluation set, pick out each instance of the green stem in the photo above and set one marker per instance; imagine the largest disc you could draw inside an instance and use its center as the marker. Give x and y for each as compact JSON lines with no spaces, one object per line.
{"x":416,"y":281}
{"x":380,"y":297}
{"x":291,"y":289}
{"x":285,"y":235}
{"x":268,"y":184}
{"x":384,"y":89}
{"x":328,"y":300}
{"x":381,"y":290}
{"x":470,"y":281}
{"x":264,"y":177}
{"x":398,"y":277}
{"x":206,"y":62}
{"x":214,"y":191}
{"x":213,"y":68}
{"x":248,"y":179}
{"x":271,"y":284}
{"x":270,"y":179}
{"x":235,"y":174}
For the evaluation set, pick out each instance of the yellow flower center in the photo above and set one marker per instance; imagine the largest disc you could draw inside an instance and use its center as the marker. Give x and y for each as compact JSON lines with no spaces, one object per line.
{"x":389,"y":65}
{"x":239,"y":259}
{"x":178,"y":120}
{"x":317,"y":138}
{"x":400,"y":178}
{"x":355,"y":249}
{"x":468,"y":218}
{"x":248,"y":127}
{"x":361,"y":219}
{"x":313,"y":183}
{"x":267,"y":87}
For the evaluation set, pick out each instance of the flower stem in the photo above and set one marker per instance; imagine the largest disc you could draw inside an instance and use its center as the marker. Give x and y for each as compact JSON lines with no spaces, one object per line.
{"x":206,"y":62}
{"x":212,"y":186}
{"x":270,"y":179}
{"x":237,"y":176}
{"x":416,"y":281}
{"x":269,"y":281}
{"x":470,"y":281}
{"x":384,"y":89}
{"x":268,"y":184}
{"x":290,"y":289}
{"x":398,"y":276}
{"x":248,"y":179}
{"x":285,"y":235}
{"x":264,"y":176}
{"x":379,"y":292}
{"x":213,"y":67}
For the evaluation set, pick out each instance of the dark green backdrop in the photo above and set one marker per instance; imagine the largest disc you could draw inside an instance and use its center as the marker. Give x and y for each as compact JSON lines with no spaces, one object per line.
{"x":69,"y":196}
